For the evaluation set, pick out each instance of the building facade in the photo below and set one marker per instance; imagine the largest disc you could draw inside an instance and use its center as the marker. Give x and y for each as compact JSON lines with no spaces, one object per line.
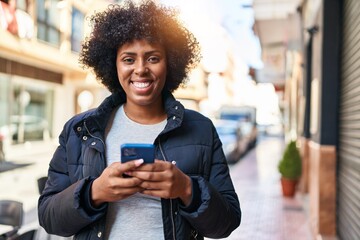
{"x":41,"y":81}
{"x":327,"y":116}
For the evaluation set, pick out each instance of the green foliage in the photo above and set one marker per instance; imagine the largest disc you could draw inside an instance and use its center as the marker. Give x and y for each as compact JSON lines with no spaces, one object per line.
{"x":290,"y":165}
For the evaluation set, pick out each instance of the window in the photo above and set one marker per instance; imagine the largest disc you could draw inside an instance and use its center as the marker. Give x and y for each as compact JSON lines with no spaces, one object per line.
{"x":4,"y":101}
{"x":48,"y":16}
{"x":77,"y":29}
{"x":26,"y":109}
{"x":31,"y":117}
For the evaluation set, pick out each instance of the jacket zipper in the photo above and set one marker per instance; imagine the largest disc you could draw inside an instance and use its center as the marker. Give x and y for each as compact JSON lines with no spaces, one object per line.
{"x":97,"y":228}
{"x":171,"y":202}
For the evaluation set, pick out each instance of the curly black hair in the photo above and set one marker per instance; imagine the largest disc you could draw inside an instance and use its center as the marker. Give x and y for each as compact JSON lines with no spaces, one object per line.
{"x":120,"y":24}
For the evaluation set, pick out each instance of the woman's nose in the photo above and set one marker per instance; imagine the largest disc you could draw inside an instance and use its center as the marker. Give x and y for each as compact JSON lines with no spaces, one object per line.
{"x":141,"y":68}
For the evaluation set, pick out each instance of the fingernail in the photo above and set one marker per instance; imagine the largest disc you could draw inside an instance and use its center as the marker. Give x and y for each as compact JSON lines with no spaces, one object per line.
{"x":139,"y":162}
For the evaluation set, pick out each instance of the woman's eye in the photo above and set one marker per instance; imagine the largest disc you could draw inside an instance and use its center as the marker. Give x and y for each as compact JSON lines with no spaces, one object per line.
{"x":153,"y":59}
{"x":128,"y":60}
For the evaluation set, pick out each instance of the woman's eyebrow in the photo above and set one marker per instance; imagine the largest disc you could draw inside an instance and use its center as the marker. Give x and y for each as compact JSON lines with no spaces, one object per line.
{"x":146,"y":53}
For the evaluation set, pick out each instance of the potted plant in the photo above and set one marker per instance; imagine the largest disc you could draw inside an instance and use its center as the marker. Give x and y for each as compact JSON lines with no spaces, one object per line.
{"x":290,"y":169}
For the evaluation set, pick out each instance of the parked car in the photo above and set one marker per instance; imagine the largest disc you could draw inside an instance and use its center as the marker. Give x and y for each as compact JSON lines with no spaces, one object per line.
{"x":246,"y":116}
{"x":249,"y":132}
{"x":35,"y":128}
{"x":234,"y":145}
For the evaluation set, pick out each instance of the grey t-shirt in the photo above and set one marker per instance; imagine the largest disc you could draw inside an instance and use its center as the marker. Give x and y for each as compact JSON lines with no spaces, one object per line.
{"x":138,"y":216}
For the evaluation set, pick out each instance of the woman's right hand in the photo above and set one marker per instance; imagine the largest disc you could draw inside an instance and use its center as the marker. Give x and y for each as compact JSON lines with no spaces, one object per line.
{"x":111,"y":186}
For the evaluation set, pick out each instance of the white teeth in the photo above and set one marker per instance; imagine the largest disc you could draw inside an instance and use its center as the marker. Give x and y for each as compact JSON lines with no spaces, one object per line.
{"x":141,"y":84}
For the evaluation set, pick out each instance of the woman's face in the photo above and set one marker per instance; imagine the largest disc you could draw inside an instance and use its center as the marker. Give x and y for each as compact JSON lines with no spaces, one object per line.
{"x":141,"y":69}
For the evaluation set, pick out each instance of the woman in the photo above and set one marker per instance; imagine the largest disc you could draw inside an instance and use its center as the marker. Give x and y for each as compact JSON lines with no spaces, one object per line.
{"x":141,"y":53}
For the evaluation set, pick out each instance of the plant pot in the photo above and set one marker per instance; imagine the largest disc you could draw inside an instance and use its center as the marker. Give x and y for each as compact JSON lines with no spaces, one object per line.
{"x":288,"y":186}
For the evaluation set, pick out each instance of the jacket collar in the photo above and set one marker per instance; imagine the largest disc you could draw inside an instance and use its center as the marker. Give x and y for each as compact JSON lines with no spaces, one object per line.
{"x":174,"y":110}
{"x":98,"y":119}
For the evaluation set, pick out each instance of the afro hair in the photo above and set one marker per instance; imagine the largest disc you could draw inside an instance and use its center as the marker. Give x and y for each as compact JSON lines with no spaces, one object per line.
{"x":120,"y":24}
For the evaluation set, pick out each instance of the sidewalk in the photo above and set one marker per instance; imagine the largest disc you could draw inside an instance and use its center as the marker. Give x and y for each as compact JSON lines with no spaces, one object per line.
{"x":267,"y":215}
{"x":20,"y":184}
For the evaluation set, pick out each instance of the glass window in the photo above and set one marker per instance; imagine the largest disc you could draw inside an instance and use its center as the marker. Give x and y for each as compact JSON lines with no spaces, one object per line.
{"x":41,"y":11}
{"x":53,"y":36}
{"x":77,"y":29}
{"x":4,"y":101}
{"x":41,"y":31}
{"x":48,"y":16}
{"x":53,"y":13}
{"x":31,"y":115}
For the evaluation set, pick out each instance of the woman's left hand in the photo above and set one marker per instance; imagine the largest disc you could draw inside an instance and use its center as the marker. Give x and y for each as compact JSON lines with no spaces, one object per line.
{"x":163,"y":179}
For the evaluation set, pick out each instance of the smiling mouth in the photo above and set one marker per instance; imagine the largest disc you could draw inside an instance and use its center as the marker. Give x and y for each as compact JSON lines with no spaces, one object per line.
{"x":141,"y":85}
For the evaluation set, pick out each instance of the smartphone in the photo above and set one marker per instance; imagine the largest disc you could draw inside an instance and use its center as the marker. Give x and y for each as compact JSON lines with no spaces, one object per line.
{"x":132,"y":151}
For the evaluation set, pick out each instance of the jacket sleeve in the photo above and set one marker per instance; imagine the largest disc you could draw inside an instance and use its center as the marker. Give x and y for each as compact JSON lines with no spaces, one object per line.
{"x":215,"y":210}
{"x":64,"y":207}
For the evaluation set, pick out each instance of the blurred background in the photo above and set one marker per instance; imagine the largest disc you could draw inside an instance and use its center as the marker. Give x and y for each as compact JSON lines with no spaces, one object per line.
{"x":273,"y":71}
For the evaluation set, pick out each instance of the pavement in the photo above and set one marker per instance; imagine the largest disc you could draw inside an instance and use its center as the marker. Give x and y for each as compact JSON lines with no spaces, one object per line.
{"x":267,"y":215}
{"x":20,"y":184}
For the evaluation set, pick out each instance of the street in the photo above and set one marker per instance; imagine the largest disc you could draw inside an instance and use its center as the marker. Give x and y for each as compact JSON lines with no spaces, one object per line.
{"x":266,"y":214}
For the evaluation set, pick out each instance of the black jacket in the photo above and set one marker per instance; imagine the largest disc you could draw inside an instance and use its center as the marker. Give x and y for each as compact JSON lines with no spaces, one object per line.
{"x":189,"y":138}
